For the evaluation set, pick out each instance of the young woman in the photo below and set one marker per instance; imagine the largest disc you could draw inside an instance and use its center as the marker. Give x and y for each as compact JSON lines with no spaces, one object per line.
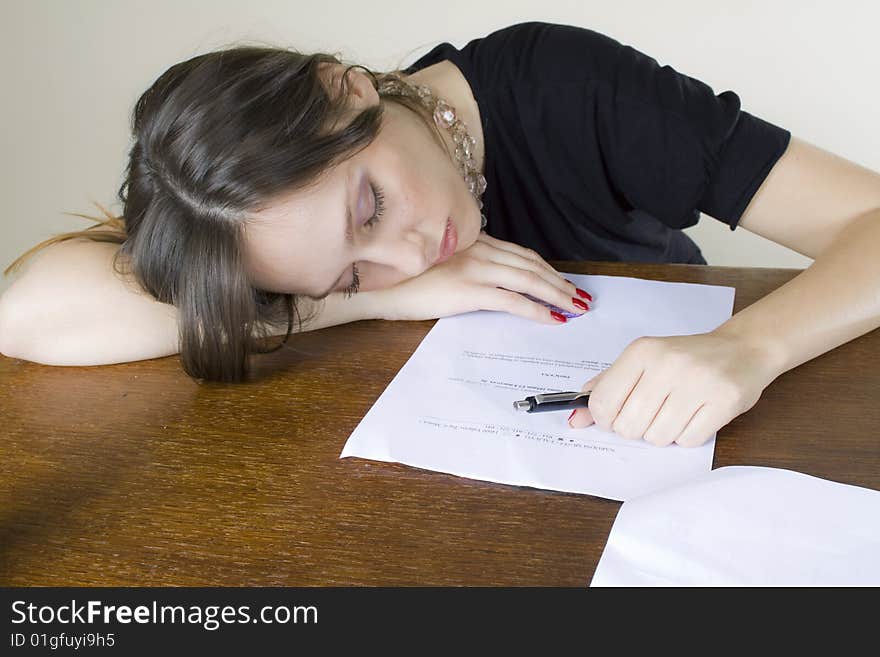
{"x":262,"y":180}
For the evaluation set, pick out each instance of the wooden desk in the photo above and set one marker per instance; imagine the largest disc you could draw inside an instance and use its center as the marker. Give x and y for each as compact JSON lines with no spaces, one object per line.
{"x":135,"y":474}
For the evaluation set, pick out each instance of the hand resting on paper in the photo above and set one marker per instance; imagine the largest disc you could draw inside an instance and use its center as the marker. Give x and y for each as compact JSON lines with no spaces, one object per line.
{"x":676,"y":389}
{"x":488,"y":275}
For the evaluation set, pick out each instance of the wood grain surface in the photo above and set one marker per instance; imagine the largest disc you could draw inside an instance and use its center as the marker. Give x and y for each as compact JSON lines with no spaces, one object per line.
{"x":135,"y":474}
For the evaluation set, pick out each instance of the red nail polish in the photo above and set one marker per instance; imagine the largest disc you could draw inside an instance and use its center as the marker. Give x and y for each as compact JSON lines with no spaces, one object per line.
{"x":572,"y":414}
{"x":580,"y":304}
{"x":559,"y":317}
{"x":583,"y":294}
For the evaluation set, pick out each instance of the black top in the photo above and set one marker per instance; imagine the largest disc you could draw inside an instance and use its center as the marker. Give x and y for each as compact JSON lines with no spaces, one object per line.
{"x":593,"y":151}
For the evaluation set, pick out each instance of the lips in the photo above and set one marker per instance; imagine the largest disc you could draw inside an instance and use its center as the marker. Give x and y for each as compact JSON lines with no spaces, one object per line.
{"x":450,"y":241}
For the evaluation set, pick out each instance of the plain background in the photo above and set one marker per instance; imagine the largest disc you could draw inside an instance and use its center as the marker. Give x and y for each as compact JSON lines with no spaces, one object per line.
{"x":73,"y":69}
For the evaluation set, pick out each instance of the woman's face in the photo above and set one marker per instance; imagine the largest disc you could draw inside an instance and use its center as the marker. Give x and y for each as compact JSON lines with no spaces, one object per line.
{"x":306,"y":242}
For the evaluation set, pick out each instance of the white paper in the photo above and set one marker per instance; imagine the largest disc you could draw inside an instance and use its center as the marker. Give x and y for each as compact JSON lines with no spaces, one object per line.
{"x":450,"y":408}
{"x":746,"y":526}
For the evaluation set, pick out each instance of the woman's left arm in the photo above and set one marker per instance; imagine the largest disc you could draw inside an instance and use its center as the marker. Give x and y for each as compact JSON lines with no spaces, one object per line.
{"x":684,"y":388}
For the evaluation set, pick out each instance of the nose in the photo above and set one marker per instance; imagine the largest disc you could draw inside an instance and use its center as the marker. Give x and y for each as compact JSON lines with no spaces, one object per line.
{"x":407,"y":253}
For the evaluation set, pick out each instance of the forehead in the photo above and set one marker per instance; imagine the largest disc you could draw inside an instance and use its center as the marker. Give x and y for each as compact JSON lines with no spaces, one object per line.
{"x":295,"y":243}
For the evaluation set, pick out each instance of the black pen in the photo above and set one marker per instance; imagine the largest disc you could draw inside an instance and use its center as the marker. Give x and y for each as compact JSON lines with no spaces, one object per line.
{"x":554,"y":401}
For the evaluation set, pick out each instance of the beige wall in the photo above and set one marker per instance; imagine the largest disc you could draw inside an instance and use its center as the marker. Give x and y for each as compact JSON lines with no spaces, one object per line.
{"x":72,"y":70}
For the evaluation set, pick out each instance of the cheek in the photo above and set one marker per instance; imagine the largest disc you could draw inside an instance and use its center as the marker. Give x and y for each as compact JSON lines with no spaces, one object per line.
{"x":258,"y":270}
{"x":276,"y":261}
{"x":413,"y":178}
{"x":425,"y":180}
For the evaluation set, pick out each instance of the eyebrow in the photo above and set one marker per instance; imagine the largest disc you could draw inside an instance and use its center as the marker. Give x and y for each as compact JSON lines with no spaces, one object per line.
{"x":349,"y":240}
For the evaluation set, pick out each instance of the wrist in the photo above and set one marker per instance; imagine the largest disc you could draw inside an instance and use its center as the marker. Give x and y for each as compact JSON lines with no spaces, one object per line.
{"x":336,"y":309}
{"x":381,"y":305}
{"x":771,"y":353}
{"x":357,"y":307}
{"x":368,"y":305}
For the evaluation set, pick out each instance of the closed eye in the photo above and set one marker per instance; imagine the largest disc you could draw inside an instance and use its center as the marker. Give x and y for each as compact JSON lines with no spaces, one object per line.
{"x":378,"y":205}
{"x":379,"y":209}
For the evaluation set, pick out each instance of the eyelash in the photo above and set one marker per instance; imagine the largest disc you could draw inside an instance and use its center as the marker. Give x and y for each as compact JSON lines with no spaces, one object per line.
{"x":379,"y":202}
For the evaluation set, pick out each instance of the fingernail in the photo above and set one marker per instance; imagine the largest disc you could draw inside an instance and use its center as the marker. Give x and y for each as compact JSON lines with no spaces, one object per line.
{"x":557,"y":316}
{"x":583,"y":294}
{"x":580,"y":304}
{"x":572,"y":415}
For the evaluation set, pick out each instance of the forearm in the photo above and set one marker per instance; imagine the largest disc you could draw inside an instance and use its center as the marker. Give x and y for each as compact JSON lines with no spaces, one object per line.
{"x":831,"y":302}
{"x":334,"y":310}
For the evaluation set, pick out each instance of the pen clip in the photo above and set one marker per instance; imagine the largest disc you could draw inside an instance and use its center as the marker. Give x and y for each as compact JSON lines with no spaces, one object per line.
{"x":559,"y":397}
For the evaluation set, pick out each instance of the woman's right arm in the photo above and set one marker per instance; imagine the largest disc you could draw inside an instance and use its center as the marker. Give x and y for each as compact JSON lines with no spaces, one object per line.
{"x":69,"y":307}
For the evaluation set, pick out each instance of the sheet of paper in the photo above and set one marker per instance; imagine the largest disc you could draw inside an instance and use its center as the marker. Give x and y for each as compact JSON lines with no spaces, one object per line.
{"x":746,"y":526}
{"x":450,"y":408}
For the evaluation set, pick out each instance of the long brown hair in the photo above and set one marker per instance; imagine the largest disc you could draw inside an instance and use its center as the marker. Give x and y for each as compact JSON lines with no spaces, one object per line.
{"x":214,"y":138}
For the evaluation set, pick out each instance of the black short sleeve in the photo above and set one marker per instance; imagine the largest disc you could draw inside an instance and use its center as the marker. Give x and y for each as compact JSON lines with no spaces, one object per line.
{"x":594,"y":151}
{"x":671,"y":145}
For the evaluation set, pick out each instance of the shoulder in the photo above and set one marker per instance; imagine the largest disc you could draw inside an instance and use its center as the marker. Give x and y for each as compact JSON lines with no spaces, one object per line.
{"x":529,"y":53}
{"x":541,"y":34}
{"x":535,"y":51}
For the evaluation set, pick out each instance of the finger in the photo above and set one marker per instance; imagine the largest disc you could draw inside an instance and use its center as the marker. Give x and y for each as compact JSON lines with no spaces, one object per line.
{"x":581,"y":417}
{"x":675,"y":414}
{"x":612,"y":392}
{"x":700,"y":429}
{"x":512,"y":273}
{"x":514,"y":303}
{"x":521,"y":251}
{"x":642,"y":405}
{"x":528,"y":254}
